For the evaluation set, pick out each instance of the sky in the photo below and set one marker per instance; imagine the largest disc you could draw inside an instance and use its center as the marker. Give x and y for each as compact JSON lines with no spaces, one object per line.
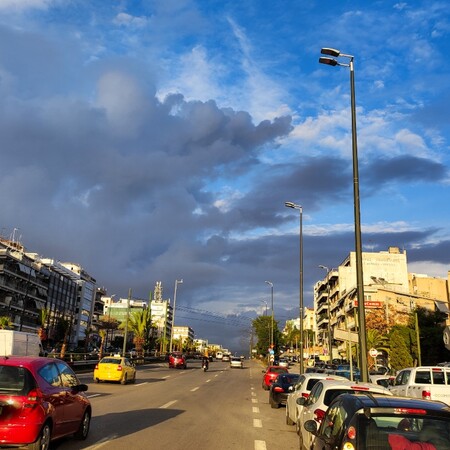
{"x":158,"y":141}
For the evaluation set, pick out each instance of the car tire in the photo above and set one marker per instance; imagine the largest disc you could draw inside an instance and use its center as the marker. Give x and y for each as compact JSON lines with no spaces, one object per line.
{"x":85,"y":424}
{"x":124,"y":380}
{"x":289,"y":421}
{"x":273,"y":404}
{"x":43,"y":441}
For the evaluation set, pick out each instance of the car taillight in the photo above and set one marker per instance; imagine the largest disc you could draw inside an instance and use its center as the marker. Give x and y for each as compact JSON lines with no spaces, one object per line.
{"x":319,"y":414}
{"x":119,"y":368}
{"x":426,"y":394}
{"x":96,"y":367}
{"x":305,"y":394}
{"x":278,"y":389}
{"x":33,"y":398}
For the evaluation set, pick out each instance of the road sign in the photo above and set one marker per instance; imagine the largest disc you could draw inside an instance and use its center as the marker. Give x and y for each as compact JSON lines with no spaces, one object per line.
{"x":373,"y":352}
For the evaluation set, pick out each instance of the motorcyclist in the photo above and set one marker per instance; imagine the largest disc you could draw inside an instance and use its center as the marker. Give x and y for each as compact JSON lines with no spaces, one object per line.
{"x":205,"y":359}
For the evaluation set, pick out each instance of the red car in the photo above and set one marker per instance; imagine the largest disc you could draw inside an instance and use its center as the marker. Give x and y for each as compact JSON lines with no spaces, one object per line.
{"x":270,"y":374}
{"x":177,"y":360}
{"x":41,"y":399}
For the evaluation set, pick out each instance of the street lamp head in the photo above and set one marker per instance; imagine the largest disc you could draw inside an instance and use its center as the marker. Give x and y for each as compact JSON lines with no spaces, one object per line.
{"x":328,"y":61}
{"x":269,"y":283}
{"x":179,"y":281}
{"x":289,"y":204}
{"x":324,"y":267}
{"x":330,"y":52}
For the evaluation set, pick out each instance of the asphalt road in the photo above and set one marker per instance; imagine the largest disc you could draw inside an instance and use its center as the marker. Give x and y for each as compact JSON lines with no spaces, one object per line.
{"x":175,"y":409}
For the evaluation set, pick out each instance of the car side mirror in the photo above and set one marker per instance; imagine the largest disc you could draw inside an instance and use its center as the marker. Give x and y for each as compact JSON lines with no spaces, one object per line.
{"x":301,"y":401}
{"x":311,"y":427}
{"x":80,"y":388}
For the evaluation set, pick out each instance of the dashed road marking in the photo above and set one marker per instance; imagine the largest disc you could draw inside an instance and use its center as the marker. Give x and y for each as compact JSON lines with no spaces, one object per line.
{"x":167,"y":405}
{"x":195,"y":389}
{"x":257,"y":423}
{"x":255,"y":410}
{"x":254,"y":400}
{"x":260,"y":445}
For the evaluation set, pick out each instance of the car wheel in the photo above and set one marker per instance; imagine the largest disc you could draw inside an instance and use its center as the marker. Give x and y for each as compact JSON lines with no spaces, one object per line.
{"x":124,"y":380}
{"x":97,"y":380}
{"x":273,"y":404}
{"x":289,"y":421}
{"x":43,"y":441}
{"x":83,"y":430}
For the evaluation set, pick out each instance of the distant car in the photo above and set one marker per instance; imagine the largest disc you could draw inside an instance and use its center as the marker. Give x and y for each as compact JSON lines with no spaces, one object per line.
{"x":381,"y":422}
{"x":226,"y":358}
{"x":320,"y":398}
{"x":284,"y":362}
{"x":302,"y":388}
{"x":115,"y":368}
{"x":236,"y":362}
{"x":270,"y":374}
{"x":281,"y":388}
{"x":177,"y":361}
{"x":41,"y":399}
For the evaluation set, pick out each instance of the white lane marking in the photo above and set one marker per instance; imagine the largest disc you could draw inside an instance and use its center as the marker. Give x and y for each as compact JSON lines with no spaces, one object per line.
{"x":196,"y":388}
{"x":141,"y":384}
{"x":255,"y":409}
{"x":257,"y":423}
{"x":216,"y":375}
{"x":253,"y":394}
{"x":102,"y":442}
{"x":260,"y":445}
{"x":168,"y":376}
{"x":167,"y":404}
{"x":254,"y":400}
{"x":93,"y":395}
{"x":207,"y":381}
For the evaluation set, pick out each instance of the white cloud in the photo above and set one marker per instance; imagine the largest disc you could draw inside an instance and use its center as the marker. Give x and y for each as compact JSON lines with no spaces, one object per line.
{"x":129,"y":20}
{"x":21,"y":5}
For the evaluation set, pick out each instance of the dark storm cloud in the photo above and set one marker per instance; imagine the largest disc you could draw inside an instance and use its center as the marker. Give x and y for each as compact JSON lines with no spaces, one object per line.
{"x":404,"y":168}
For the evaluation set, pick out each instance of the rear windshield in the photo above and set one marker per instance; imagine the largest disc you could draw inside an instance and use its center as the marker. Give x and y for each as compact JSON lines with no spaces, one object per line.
{"x":331,"y":394}
{"x":278,"y":370}
{"x":404,"y":431}
{"x":15,"y":380}
{"x":110,"y":361}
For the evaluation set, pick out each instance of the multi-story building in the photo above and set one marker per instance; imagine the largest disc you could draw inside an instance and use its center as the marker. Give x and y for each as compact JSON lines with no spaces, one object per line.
{"x":387,"y":286}
{"x":162,"y":316}
{"x":184,"y":333}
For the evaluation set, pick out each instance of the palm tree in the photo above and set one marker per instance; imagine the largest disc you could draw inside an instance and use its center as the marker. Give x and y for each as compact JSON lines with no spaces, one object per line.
{"x":43,"y":316}
{"x":140,"y":324}
{"x":6,"y":323}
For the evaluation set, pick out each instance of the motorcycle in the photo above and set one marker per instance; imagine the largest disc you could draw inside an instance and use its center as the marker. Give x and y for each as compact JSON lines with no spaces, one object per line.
{"x":205,"y":365}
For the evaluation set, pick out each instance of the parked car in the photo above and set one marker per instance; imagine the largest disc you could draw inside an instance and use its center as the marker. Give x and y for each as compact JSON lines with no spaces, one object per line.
{"x":281,"y":387}
{"x":177,"y":361}
{"x":41,"y":399}
{"x":302,"y":388}
{"x":382,"y":380}
{"x":270,"y":374}
{"x":284,"y":362}
{"x":115,"y":368}
{"x":381,"y":422}
{"x":321,"y":396}
{"x":236,"y":362}
{"x":427,"y":383}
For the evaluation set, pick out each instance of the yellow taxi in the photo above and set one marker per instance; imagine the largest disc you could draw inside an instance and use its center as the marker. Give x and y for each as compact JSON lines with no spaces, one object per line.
{"x":115,"y":368}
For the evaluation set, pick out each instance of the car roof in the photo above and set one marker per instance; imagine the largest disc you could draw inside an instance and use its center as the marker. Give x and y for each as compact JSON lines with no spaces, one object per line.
{"x":323,"y":376}
{"x":378,"y":402}
{"x":26,"y":361}
{"x":330,"y":384}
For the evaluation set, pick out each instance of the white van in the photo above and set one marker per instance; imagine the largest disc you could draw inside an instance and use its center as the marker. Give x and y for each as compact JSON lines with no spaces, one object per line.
{"x":19,"y":343}
{"x":219,"y":355}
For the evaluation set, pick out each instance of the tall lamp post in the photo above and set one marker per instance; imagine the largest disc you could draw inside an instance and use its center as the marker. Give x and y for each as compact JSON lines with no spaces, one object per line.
{"x":358,"y":247}
{"x":300,"y":209}
{"x":265,"y":311}
{"x":177,"y":282}
{"x":271,"y":323}
{"x":330,"y":340}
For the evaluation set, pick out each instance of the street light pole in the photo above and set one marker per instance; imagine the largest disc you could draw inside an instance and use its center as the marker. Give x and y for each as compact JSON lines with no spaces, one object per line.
{"x":177,"y":282}
{"x":330,"y":340}
{"x":301,"y":314}
{"x":265,"y":311}
{"x":356,"y":200}
{"x":271,"y":323}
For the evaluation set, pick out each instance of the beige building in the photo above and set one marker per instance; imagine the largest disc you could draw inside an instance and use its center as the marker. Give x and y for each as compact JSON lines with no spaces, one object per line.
{"x":387,"y":286}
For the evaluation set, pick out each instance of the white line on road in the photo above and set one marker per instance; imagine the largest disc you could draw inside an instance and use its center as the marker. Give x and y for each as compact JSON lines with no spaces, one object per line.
{"x":255,"y":409}
{"x":93,"y":395}
{"x":207,"y":381}
{"x":102,"y":442}
{"x":257,"y":423}
{"x":141,"y":384}
{"x":196,"y":388}
{"x":260,"y":445}
{"x":167,"y":376}
{"x":167,"y":404}
{"x":254,"y":400}
{"x":253,"y":394}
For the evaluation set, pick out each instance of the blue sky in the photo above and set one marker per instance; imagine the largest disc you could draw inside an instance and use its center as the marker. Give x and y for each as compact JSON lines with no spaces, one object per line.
{"x":153,"y":141}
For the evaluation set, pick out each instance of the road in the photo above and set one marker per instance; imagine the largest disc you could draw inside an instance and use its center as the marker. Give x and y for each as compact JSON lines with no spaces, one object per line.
{"x":180,"y":409}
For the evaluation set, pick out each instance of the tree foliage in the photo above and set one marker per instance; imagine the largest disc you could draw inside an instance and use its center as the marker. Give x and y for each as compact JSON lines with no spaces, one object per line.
{"x":400,"y":356}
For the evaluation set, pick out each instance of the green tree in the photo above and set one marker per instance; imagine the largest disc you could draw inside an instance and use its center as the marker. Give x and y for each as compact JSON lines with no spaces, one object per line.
{"x":140,"y":324}
{"x":6,"y":323}
{"x":44,"y":313}
{"x":262,"y":326}
{"x":400,"y":356}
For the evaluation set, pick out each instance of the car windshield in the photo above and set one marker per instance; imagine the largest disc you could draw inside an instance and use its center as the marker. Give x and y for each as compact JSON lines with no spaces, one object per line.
{"x":15,"y":380}
{"x":404,"y":431}
{"x":110,"y":361}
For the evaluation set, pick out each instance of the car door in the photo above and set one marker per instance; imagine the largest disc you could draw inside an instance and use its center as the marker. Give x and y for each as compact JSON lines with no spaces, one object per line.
{"x":74,"y":400}
{"x":400,"y":383}
{"x":307,"y":412}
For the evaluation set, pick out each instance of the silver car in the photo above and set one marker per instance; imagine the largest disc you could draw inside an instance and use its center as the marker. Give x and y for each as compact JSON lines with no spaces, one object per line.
{"x":236,"y":363}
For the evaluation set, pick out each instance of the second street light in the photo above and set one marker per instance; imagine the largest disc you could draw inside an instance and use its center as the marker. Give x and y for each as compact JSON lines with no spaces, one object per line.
{"x":177,"y":282}
{"x":358,"y":247}
{"x":272,"y":320}
{"x":300,"y":209}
